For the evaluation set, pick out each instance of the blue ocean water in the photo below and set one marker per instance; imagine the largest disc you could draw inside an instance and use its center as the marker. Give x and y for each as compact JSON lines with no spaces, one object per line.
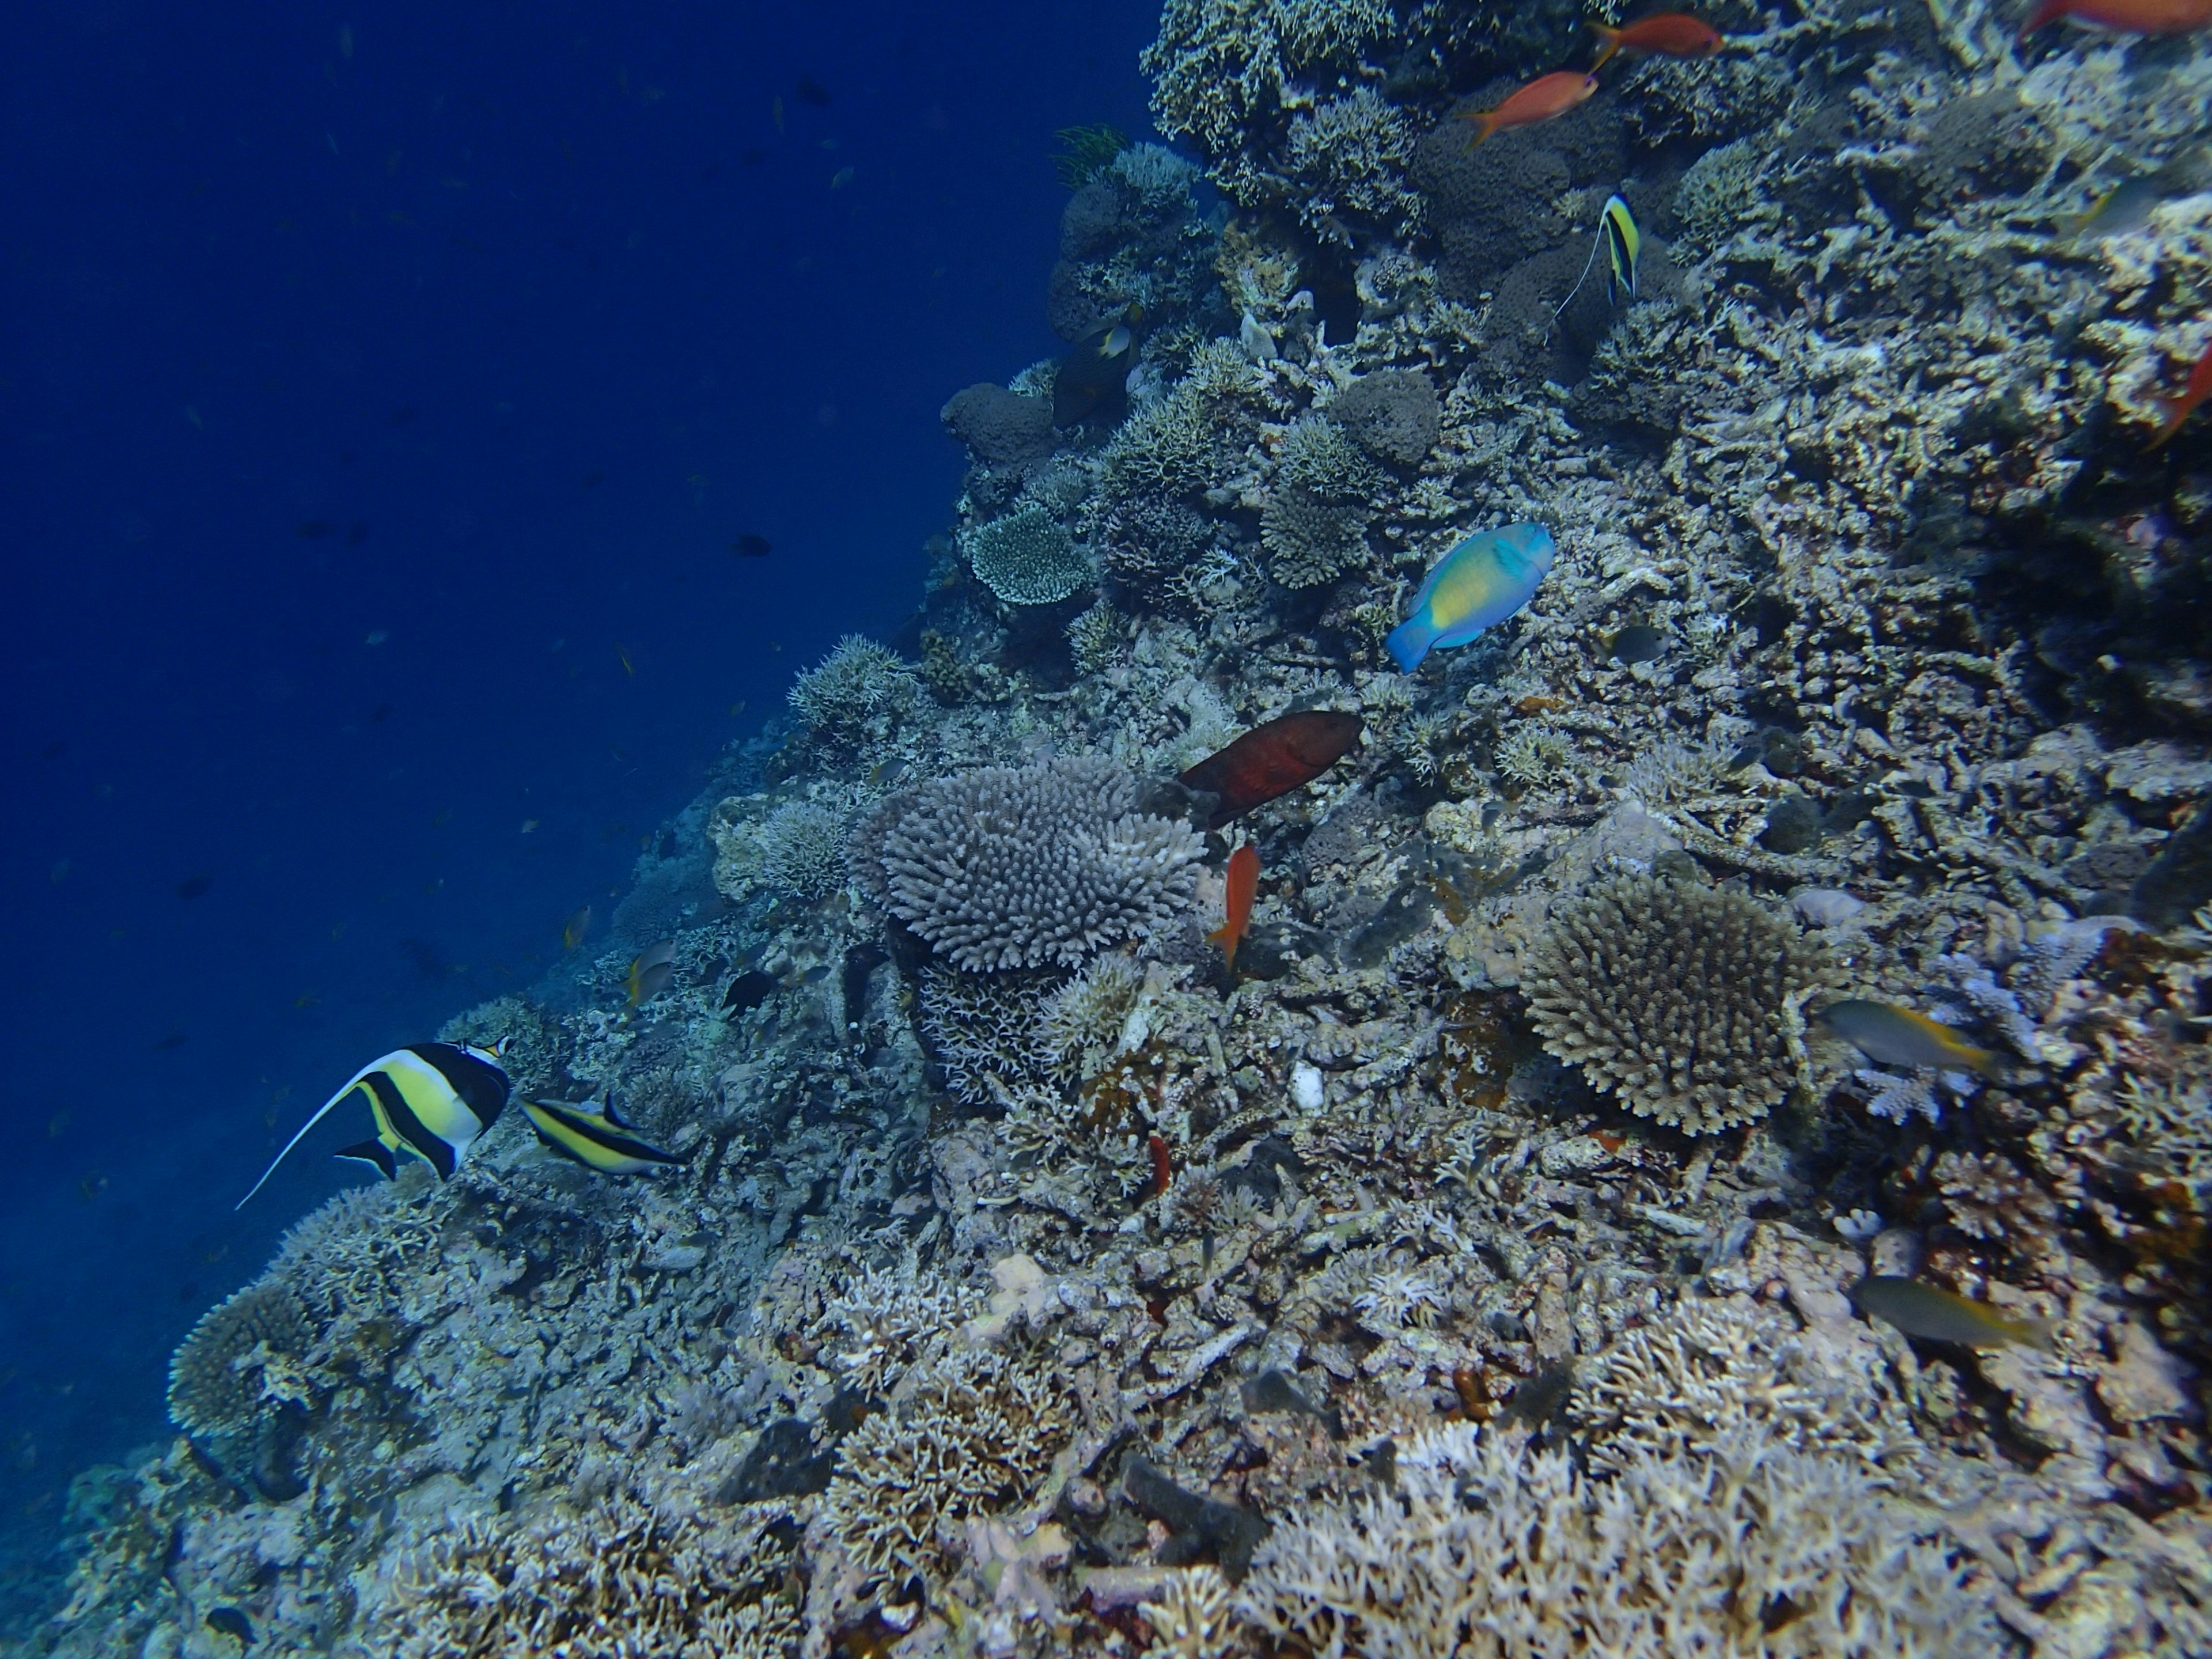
{"x":384,"y":388}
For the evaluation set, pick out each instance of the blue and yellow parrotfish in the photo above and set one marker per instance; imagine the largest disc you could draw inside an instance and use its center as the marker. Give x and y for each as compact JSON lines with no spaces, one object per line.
{"x":601,"y":1139}
{"x":1476,"y":585}
{"x":431,"y":1099}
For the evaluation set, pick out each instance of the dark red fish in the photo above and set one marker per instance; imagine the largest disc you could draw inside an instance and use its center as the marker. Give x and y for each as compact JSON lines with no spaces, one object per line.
{"x":1670,"y":34}
{"x":1243,"y":885}
{"x":2179,"y":410}
{"x":1162,"y":1165}
{"x":1273,"y":760}
{"x":2124,"y":16}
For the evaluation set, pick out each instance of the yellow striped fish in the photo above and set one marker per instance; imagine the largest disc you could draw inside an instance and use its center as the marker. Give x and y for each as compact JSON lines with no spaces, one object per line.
{"x":431,"y":1100}
{"x":600,"y":1139}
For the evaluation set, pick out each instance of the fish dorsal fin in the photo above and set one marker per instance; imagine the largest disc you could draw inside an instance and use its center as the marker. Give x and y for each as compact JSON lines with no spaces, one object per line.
{"x":352,"y":1083}
{"x":607,"y":1109}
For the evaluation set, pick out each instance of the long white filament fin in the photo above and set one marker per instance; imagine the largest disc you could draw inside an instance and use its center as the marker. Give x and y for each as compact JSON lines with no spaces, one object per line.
{"x":352,"y":1083}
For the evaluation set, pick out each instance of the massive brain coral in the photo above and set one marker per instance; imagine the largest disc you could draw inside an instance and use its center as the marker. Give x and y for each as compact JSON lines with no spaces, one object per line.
{"x":1030,"y":867}
{"x":1679,"y":999}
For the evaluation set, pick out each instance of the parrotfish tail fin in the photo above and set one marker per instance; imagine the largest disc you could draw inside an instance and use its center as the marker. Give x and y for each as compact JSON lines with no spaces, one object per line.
{"x":352,"y":1083}
{"x":1612,"y":39}
{"x":2045,"y":14}
{"x":1408,"y":642}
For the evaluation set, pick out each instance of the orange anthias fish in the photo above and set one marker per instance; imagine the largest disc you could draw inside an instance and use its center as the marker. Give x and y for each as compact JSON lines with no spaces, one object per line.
{"x":1669,"y":34}
{"x":2124,"y":16}
{"x":1271,"y":760}
{"x":1244,"y":884}
{"x":1543,"y":98}
{"x":2179,"y":410}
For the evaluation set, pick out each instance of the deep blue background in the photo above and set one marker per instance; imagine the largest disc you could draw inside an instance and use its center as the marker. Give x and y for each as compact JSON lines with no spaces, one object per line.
{"x":480,"y":331}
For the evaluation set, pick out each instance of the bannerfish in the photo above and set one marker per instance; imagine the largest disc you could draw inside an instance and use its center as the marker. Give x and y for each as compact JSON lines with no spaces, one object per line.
{"x":2123,"y":16}
{"x":432,"y":1099}
{"x":1244,"y":884}
{"x":1668,"y":33}
{"x":1541,"y":99}
{"x":1623,"y":241}
{"x":578,"y":924}
{"x":2179,"y":410}
{"x":1475,"y":587}
{"x":1898,"y":1037}
{"x":600,"y":1139}
{"x":1271,"y":760}
{"x":1937,"y":1315}
{"x":651,"y":972}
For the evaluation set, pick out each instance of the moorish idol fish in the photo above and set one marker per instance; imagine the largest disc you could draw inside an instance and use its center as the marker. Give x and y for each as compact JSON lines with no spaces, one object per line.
{"x":1622,"y":243}
{"x":432,"y":1099}
{"x":601,"y":1139}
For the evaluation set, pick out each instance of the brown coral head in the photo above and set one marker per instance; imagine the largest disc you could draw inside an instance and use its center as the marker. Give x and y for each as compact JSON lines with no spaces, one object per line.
{"x":1679,"y":999}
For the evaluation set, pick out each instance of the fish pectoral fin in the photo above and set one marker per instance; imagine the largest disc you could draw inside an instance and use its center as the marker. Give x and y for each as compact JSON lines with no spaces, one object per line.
{"x":372,"y":1151}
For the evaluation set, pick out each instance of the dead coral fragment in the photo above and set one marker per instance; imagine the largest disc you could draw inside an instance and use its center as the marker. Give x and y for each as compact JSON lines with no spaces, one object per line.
{"x":1679,"y":999}
{"x":243,"y":1355}
{"x":1028,"y":866}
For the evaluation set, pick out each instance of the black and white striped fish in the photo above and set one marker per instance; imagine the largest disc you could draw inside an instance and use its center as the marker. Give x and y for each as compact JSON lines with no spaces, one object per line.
{"x":431,"y":1100}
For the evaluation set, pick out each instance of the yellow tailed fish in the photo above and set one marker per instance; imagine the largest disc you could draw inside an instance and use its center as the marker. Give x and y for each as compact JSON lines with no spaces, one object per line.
{"x":601,"y":1139}
{"x":651,"y":972}
{"x":1937,"y":1315}
{"x":431,"y":1099}
{"x":1898,"y":1037}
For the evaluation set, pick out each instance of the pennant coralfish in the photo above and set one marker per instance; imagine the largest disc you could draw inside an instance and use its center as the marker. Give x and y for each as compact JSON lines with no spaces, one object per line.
{"x":1243,"y":885}
{"x":1476,"y":585}
{"x":431,"y":1099}
{"x":601,"y":1140}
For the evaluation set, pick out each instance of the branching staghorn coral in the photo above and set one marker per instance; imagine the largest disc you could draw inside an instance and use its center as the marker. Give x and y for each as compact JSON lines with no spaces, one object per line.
{"x":1680,"y":1000}
{"x":1483,"y":1551}
{"x":858,"y":692}
{"x":1025,"y":867}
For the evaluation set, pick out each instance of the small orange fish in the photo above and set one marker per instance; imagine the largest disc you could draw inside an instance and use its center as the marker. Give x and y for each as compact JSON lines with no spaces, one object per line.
{"x":1542,"y":99}
{"x":2179,"y":410}
{"x":1244,"y":884}
{"x":2124,"y":16}
{"x":1669,"y":34}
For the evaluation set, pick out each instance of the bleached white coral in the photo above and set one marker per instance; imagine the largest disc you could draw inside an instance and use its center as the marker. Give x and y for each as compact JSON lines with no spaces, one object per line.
{"x":854,"y":692}
{"x":886,"y":1319}
{"x":1082,"y":1021}
{"x":1480,"y":1553}
{"x":1348,"y":158}
{"x":1192,"y":1618}
{"x":1399,"y":1295}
